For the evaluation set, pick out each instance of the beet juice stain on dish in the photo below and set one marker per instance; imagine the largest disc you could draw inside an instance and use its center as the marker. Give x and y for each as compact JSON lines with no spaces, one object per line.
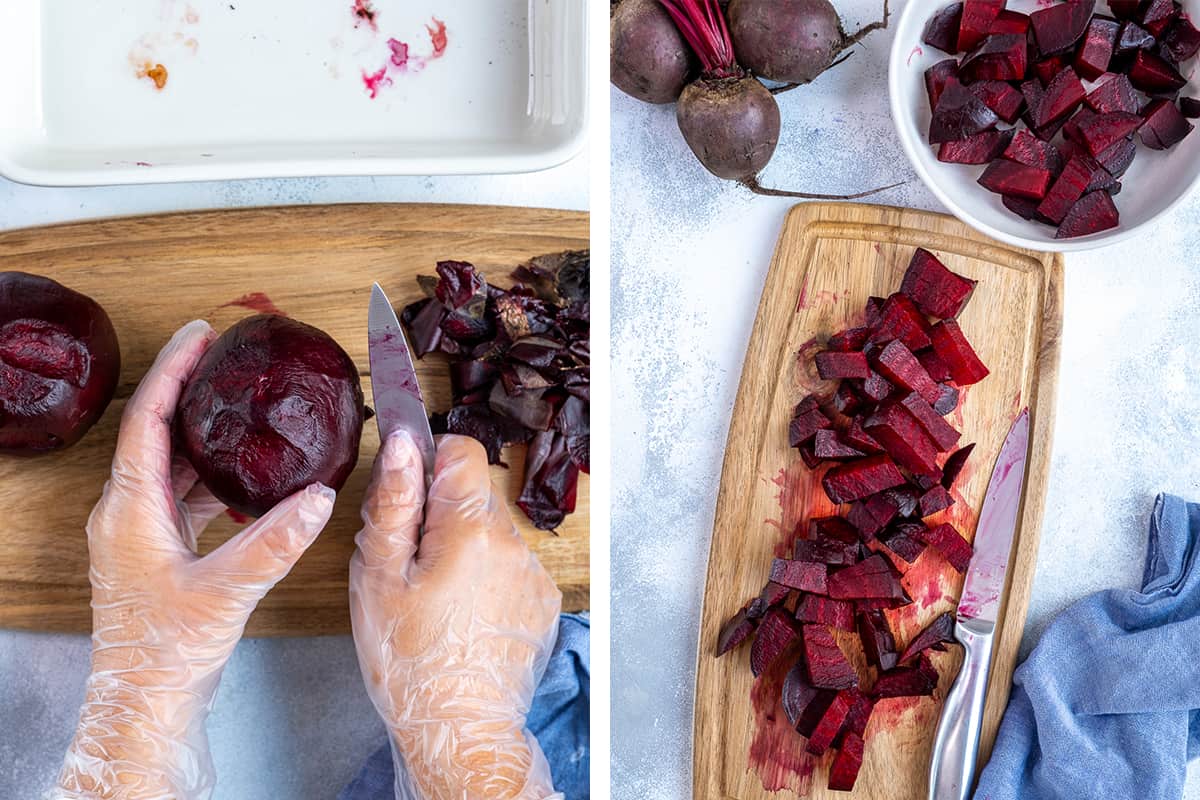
{"x":174,"y":39}
{"x":400,"y":58}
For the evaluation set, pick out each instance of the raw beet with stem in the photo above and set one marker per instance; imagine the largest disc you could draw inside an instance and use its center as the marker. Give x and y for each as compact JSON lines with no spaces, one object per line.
{"x":935,"y":500}
{"x":1182,"y":40}
{"x":871,"y":578}
{"x":734,"y":632}
{"x":878,"y":641}
{"x":933,"y":288}
{"x":803,"y":703}
{"x":1058,"y":27}
{"x":1164,"y":126}
{"x":959,"y":113}
{"x":59,"y":364}
{"x":1096,"y":51}
{"x":998,"y":58}
{"x":978,"y":16}
{"x":946,"y":539}
{"x":978,"y":149}
{"x":953,"y":348}
{"x":1017,"y":180}
{"x":834,"y":365}
{"x":648,"y":58}
{"x":775,"y":633}
{"x":940,"y":431}
{"x":1025,"y":148}
{"x":828,"y":446}
{"x":1152,"y":74}
{"x":827,"y":665}
{"x":825,"y":611}
{"x":899,"y":318}
{"x":899,"y":366}
{"x":872,"y":515}
{"x":936,"y":78}
{"x":1002,"y":98}
{"x":805,"y":576}
{"x":1102,"y":131}
{"x":1116,"y":93}
{"x":1068,"y":188}
{"x":731,"y":124}
{"x":861,"y":478}
{"x":942,"y":29}
{"x":1093,"y":213}
{"x":918,"y":680}
{"x":935,"y":636}
{"x":830,"y":724}
{"x":954,"y":465}
{"x":843,"y":773}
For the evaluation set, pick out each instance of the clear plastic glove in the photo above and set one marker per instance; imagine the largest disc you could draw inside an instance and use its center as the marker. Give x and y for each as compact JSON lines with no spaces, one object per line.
{"x":453,"y":629}
{"x":164,"y":620}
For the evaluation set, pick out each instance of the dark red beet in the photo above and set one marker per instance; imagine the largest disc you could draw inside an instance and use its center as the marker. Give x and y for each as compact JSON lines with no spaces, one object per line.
{"x":1063,"y":96}
{"x":872,"y":577}
{"x":1011,"y":22}
{"x":1060,"y":26}
{"x":954,"y":465}
{"x":807,"y":419}
{"x":832,"y":529}
{"x":803,"y":703}
{"x":1131,"y":38}
{"x":872,"y":515}
{"x":857,"y":718}
{"x":1117,"y":158}
{"x":857,"y":438}
{"x":878,"y":641}
{"x":1071,"y":127}
{"x":1164,"y":125}
{"x":901,"y":368}
{"x":916,"y":681}
{"x":902,"y":437}
{"x":1182,"y":40}
{"x":1093,"y":213}
{"x":803,"y":575}
{"x":771,"y":595}
{"x":877,"y":387}
{"x":831,"y":723}
{"x":978,"y":16}
{"x":978,"y":149}
{"x":850,"y":339}
{"x":942,"y":29}
{"x":273,"y":406}
{"x":1152,"y":74}
{"x":935,"y":500}
{"x":1104,"y":130}
{"x":940,"y":431}
{"x":998,"y":58}
{"x":1116,"y":93}
{"x":847,"y":399}
{"x":906,"y":499}
{"x":901,"y":319}
{"x":934,"y":637}
{"x":825,"y":611}
{"x":946,"y":539}
{"x":903,"y":539}
{"x":1124,"y":9}
{"x":733,"y":633}
{"x":826,"y":551}
{"x":1002,"y":98}
{"x":953,"y":347}
{"x":1189,"y":107}
{"x":959,"y":114}
{"x":936,"y":78}
{"x":775,"y":633}
{"x":827,"y":665}
{"x":828,"y":446}
{"x":833,"y":365}
{"x":1018,"y":180}
{"x":1068,"y":188}
{"x":1025,"y":148}
{"x":936,"y":368}
{"x":947,"y":400}
{"x":1091,"y":60}
{"x":1158,"y":15}
{"x":933,"y":288}
{"x":843,"y":773}
{"x":860,"y":479}
{"x":59,"y":364}
{"x":1045,"y":69}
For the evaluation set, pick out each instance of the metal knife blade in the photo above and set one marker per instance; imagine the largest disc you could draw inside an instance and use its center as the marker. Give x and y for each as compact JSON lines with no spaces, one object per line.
{"x":984,"y":585}
{"x":398,"y":403}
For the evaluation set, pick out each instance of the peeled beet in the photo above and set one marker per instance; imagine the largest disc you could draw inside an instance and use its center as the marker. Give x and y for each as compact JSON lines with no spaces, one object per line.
{"x":870,"y":578}
{"x":1060,"y":26}
{"x":898,"y":364}
{"x":981,"y":148}
{"x":1011,"y":22}
{"x":916,"y":681}
{"x":934,"y":637}
{"x":827,"y":665}
{"x":830,"y":724}
{"x":899,"y":318}
{"x":803,"y":703}
{"x":1018,"y":180}
{"x":273,"y":406}
{"x":806,"y":576}
{"x":959,"y":114}
{"x":1063,"y":95}
{"x":1116,"y":93}
{"x":648,"y":58}
{"x":1131,"y":38}
{"x":878,"y":641}
{"x":832,"y":365}
{"x":873,"y":514}
{"x":861,"y":478}
{"x":902,"y":437}
{"x":59,"y":364}
{"x":904,"y":539}
{"x":1002,"y":98}
{"x":731,"y":124}
{"x":1182,"y":40}
{"x":1068,"y":188}
{"x":936,"y":78}
{"x":1157,"y":15}
{"x":826,"y":611}
{"x":843,"y":773}
{"x":1164,"y":126}
{"x":1025,"y":148}
{"x":934,"y":289}
{"x":1091,"y":61}
{"x":775,"y":633}
{"x":978,"y":16}
{"x":1000,"y":57}
{"x":952,"y":346}
{"x":1093,"y":213}
{"x":950,"y":543}
{"x":1151,"y":74}
{"x":828,"y":446}
{"x":954,"y":465}
{"x":942,"y":29}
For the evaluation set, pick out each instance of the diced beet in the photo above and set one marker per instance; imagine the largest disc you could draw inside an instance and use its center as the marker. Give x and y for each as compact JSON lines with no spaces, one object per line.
{"x":872,"y":515}
{"x":1117,"y":158}
{"x":849,"y":339}
{"x":946,"y":539}
{"x":824,"y":611}
{"x":937,"y":369}
{"x":1069,"y":187}
{"x":1182,"y":40}
{"x":808,"y":454}
{"x":906,"y":499}
{"x":1002,"y":98}
{"x":901,"y":368}
{"x":1058,"y":27}
{"x":1116,"y":93}
{"x":933,"y":288}
{"x":832,"y":529}
{"x":827,"y":446}
{"x":903,"y":539}
{"x":834,"y":365}
{"x":843,"y":773}
{"x":861,"y":478}
{"x":737,"y":630}
{"x":803,"y":703}
{"x":831,"y":723}
{"x":1063,"y":95}
{"x":978,"y":16}
{"x":935,"y":500}
{"x":803,"y":575}
{"x":959,"y":114}
{"x":827,"y":665}
{"x":873,"y":310}
{"x":940,"y":431}
{"x":915,"y":681}
{"x":877,"y":387}
{"x":873,"y":577}
{"x":1000,"y":57}
{"x":1026,"y":209}
{"x":1158,"y":15}
{"x":861,"y":706}
{"x":1189,"y":107}
{"x":1099,"y":41}
{"x":954,"y":465}
{"x":1045,"y":69}
{"x":1025,"y":148}
{"x":771,"y":595}
{"x":858,"y":438}
{"x":879,"y":644}
{"x":1124,"y":9}
{"x":1011,"y":22}
{"x":1152,"y":74}
{"x":942,"y":29}
{"x":1164,"y":125}
{"x":1131,"y":38}
{"x":1019,"y":180}
{"x":947,"y":399}
{"x":807,"y":419}
{"x":981,"y":148}
{"x":1047,"y":132}
{"x":1093,"y":213}
{"x":1105,"y":130}
{"x":847,"y":400}
{"x":935,"y":636}
{"x":903,"y":438}
{"x":1071,"y":127}
{"x":832,"y":552}
{"x":775,"y":633}
{"x":901,"y":319}
{"x":953,"y":347}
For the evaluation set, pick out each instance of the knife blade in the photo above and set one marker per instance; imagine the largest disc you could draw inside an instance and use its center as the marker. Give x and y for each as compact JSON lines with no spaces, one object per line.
{"x":956,"y":743}
{"x":398,"y":402}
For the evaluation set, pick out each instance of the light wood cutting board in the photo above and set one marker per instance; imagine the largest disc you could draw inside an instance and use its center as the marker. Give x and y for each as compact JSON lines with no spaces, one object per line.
{"x":830,"y":259}
{"x":316,"y":264}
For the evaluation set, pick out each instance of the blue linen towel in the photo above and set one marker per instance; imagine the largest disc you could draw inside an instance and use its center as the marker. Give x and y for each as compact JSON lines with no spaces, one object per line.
{"x":1107,"y":704}
{"x":559,"y":718}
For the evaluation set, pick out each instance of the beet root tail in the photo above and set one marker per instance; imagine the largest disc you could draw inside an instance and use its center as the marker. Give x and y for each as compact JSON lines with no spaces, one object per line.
{"x":753,"y":185}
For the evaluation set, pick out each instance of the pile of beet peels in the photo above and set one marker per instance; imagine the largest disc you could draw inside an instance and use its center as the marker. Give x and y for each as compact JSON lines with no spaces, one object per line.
{"x":889,"y":454}
{"x":1098,"y":80}
{"x":519,"y":368}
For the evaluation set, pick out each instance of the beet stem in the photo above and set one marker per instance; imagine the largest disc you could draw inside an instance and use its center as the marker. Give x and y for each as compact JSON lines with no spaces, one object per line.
{"x":789,"y":86}
{"x":863,"y":31}
{"x":702,"y":23}
{"x":753,"y":185}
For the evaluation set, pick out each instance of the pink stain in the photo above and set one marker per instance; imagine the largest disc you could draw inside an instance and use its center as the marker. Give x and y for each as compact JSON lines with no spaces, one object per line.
{"x":878,"y":249}
{"x":777,"y":752}
{"x":802,"y":300}
{"x":256,"y":301}
{"x":374,"y":81}
{"x":393,"y":344}
{"x":399,"y":53}
{"x":916,"y":51}
{"x":237,"y":516}
{"x":144,"y":164}
{"x":437,"y":37}
{"x":364,"y":12}
{"x":402,"y":59}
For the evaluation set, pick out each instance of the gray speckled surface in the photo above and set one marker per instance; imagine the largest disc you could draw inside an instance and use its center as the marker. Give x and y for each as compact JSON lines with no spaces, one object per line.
{"x":292,"y":719}
{"x":689,"y":258}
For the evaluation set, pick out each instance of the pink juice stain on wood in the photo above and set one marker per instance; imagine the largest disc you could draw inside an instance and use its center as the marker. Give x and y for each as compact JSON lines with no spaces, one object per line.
{"x":800,"y":499}
{"x":256,"y":301}
{"x":776,"y":751}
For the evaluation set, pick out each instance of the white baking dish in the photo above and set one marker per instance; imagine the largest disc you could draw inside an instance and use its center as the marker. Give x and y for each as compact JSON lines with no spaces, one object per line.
{"x":276,"y":88}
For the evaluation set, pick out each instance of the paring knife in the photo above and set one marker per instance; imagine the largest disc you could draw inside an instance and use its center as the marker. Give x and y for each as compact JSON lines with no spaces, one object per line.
{"x":398,"y":403}
{"x":956,"y":745}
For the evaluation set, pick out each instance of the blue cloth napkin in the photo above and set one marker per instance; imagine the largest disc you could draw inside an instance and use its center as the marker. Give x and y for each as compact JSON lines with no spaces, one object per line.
{"x":1106,"y":705}
{"x":559,"y":718}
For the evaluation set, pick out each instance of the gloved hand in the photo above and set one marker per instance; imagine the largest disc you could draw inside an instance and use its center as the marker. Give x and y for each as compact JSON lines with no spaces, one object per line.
{"x":164,"y":621}
{"x":453,"y":629}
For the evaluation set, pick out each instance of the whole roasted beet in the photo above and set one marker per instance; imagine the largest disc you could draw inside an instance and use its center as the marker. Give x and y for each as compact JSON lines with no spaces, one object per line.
{"x":273,"y":406}
{"x":59,"y":364}
{"x":648,"y":58}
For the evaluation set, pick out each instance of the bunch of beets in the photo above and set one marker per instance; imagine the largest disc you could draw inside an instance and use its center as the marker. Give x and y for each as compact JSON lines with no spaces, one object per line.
{"x":880,"y":437}
{"x":1099,"y":80}
{"x":519,"y":368}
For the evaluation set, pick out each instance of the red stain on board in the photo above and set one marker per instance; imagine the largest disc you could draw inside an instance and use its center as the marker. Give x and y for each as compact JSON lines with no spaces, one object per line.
{"x":916,"y":51}
{"x":800,"y":499}
{"x":802,"y":300}
{"x":237,"y":516}
{"x":777,"y":752}
{"x":256,"y":301}
{"x":364,"y":12}
{"x":878,"y":249}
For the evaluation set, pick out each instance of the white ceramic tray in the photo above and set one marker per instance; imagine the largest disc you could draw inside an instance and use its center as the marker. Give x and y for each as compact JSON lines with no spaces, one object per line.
{"x":277,"y":88}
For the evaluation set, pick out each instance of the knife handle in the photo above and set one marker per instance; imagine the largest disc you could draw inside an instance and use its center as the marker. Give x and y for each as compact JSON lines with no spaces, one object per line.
{"x":956,"y":744}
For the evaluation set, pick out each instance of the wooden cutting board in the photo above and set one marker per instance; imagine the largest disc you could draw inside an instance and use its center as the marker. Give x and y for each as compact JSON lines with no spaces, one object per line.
{"x":830,"y":259}
{"x":316,"y":264}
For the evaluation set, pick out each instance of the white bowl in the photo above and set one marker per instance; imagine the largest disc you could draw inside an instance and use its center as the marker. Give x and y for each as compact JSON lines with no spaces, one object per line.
{"x":1155,"y":183}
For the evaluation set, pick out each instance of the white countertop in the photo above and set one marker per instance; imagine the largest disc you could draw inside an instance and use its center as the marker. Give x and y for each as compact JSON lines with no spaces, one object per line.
{"x":690,"y":255}
{"x":292,"y":719}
